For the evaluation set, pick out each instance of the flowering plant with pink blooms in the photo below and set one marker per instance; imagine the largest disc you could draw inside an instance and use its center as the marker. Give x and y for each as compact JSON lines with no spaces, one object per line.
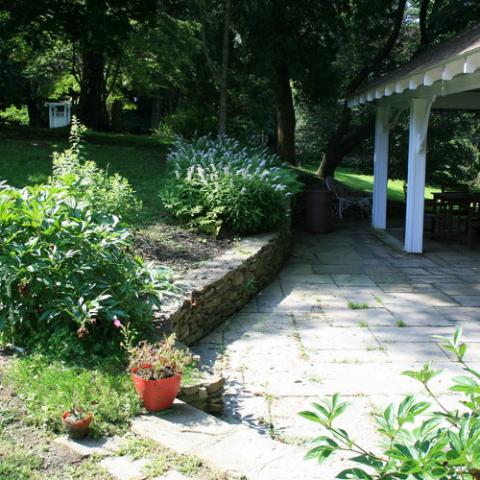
{"x":159,"y":360}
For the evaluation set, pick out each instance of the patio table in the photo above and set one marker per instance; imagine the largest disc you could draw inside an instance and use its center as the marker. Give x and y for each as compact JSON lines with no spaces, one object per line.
{"x":454,"y":212}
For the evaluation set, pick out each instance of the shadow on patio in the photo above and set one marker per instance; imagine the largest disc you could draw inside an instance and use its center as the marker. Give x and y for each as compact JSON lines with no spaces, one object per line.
{"x":348,"y":313}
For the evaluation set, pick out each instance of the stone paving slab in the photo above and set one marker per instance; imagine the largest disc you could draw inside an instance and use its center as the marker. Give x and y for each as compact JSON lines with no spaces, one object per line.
{"x":460,"y":314}
{"x":184,"y":430}
{"x":346,"y":317}
{"x":324,"y":341}
{"x":408,"y":352}
{"x":237,"y":450}
{"x":467,"y":300}
{"x":352,"y":280}
{"x":90,"y":446}
{"x":125,"y":468}
{"x":314,"y":278}
{"x":420,"y":299}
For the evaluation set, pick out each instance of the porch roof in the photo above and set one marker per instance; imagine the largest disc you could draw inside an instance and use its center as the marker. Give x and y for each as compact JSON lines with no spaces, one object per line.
{"x":429,"y":74}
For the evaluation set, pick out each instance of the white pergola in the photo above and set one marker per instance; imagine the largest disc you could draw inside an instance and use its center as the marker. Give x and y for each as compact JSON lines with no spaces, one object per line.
{"x":446,"y":77}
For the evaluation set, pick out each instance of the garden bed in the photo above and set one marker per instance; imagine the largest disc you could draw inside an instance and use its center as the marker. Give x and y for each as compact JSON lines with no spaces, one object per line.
{"x":178,"y":248}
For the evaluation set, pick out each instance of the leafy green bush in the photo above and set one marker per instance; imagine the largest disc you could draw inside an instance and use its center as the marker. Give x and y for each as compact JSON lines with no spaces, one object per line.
{"x":110,"y":194}
{"x":14,"y":116}
{"x":218,"y":184}
{"x":443,"y":445}
{"x":65,"y":265}
{"x":67,"y":268}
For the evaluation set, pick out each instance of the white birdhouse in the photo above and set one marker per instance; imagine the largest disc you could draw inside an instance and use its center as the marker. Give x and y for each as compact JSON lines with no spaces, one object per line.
{"x":59,"y":113}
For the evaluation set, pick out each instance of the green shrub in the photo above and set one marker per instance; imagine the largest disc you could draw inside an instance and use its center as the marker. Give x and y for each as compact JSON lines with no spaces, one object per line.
{"x":14,"y":116}
{"x":220,"y":185}
{"x":110,"y":194}
{"x":65,"y":265}
{"x":443,"y":444}
{"x":68,"y":274}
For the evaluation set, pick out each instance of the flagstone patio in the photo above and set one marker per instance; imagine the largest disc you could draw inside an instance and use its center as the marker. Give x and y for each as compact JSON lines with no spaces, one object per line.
{"x":348,"y":313}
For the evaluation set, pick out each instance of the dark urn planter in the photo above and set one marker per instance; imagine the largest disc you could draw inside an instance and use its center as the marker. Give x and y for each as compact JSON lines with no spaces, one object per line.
{"x":318,"y":210}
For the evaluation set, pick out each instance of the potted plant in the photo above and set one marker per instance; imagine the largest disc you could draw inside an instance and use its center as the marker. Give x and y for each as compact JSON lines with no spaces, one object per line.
{"x":77,"y":422}
{"x":156,"y":371}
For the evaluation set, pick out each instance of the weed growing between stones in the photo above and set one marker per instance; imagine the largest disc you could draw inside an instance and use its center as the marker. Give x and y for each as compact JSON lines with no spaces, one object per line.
{"x":357,"y":306}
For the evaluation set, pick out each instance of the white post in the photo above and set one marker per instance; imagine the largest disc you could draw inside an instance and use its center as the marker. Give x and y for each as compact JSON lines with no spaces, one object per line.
{"x":380,"y":168}
{"x":417,"y":148}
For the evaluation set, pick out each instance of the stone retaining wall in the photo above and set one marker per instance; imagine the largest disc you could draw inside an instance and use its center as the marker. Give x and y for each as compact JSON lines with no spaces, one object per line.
{"x":224,"y":284}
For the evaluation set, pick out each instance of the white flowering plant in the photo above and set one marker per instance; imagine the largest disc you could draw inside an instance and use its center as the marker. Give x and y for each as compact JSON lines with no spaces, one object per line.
{"x":218,"y":184}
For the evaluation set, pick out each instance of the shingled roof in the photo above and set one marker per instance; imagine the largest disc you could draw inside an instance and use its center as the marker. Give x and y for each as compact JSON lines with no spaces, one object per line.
{"x":460,"y":54}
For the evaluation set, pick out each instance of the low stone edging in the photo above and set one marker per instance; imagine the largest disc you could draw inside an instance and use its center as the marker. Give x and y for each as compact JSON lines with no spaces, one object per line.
{"x":225,"y":284}
{"x":206,"y":395}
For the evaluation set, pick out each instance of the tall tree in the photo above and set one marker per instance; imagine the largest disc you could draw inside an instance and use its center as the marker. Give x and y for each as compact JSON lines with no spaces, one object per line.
{"x":222,"y":116}
{"x":294,"y":42}
{"x":101,"y":29}
{"x":218,"y":69}
{"x":347,"y":136}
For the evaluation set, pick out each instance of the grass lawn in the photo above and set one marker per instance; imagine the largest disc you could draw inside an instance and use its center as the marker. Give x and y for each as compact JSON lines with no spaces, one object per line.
{"x":26,"y":161}
{"x":365,"y":183}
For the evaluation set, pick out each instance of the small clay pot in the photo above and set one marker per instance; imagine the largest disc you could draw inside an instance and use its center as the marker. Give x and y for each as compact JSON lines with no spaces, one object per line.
{"x":77,"y":429}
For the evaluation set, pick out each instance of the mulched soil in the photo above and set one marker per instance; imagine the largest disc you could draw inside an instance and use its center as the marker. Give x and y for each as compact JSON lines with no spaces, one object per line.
{"x":177,"y":248}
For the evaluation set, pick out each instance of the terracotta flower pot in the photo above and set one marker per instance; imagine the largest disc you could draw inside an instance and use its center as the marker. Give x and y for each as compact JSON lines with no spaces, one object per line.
{"x":157,"y":394}
{"x":77,"y":428}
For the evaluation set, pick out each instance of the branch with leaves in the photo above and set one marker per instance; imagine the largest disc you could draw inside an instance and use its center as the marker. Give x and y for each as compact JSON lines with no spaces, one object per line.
{"x":421,"y":444}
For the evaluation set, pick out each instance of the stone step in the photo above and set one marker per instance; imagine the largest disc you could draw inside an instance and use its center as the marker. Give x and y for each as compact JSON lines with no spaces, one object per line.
{"x":91,"y":446}
{"x":125,"y":468}
{"x":236,"y":450}
{"x":119,"y":467}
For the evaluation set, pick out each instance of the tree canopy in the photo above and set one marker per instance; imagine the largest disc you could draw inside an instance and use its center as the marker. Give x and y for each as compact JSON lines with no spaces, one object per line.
{"x":278,"y":71}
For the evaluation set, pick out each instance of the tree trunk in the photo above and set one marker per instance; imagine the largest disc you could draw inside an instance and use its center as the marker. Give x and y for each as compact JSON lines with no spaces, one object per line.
{"x":285,"y":115}
{"x":92,"y":105}
{"x":222,"y":117}
{"x":424,"y":40}
{"x":346,"y":138}
{"x":34,"y":113}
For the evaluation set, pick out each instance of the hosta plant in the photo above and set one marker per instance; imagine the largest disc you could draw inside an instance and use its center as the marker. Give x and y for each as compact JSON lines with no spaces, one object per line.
{"x":217,"y":184}
{"x":422,"y":440}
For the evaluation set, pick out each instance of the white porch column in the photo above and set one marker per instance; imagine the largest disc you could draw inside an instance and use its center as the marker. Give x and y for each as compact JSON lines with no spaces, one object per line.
{"x":417,"y":147}
{"x":380,"y":168}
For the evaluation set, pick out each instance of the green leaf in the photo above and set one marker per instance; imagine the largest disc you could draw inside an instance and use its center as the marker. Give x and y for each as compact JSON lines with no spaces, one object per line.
{"x":312,"y":416}
{"x":321,"y":409}
{"x":369,"y":461}
{"x":321,"y":453}
{"x":354,"y":474}
{"x":424,"y":375}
